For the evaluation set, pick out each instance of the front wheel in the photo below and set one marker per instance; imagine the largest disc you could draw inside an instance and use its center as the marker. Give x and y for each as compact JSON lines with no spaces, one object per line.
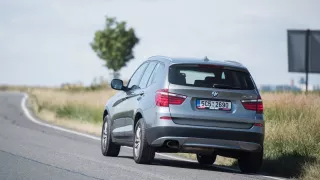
{"x":206,"y":159}
{"x":250,"y":162}
{"x":143,"y":153}
{"x":108,"y":148}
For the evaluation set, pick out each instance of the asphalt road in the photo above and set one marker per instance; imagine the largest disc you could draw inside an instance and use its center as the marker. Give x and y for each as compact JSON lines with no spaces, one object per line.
{"x":36,"y":152}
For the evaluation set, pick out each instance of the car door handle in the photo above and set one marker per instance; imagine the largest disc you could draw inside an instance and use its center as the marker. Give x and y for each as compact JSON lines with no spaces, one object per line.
{"x":141,"y":93}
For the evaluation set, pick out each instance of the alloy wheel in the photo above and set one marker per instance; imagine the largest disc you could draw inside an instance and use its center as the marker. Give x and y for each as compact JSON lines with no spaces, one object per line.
{"x":137,"y":141}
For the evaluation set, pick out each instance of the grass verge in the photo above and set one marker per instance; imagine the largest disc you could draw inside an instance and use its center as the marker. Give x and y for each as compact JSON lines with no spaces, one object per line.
{"x":69,"y":109}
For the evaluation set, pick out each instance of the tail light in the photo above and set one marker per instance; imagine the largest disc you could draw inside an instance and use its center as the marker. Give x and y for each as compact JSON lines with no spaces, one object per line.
{"x":254,"y":105}
{"x":164,"y":98}
{"x":259,"y":105}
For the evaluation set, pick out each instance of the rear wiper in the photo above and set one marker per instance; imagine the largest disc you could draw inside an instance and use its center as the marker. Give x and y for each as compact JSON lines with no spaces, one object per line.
{"x":224,"y":86}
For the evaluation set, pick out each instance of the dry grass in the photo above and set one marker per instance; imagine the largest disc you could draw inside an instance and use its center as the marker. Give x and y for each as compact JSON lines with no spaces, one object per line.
{"x":311,"y":171}
{"x":94,"y":99}
{"x":292,"y":142}
{"x":82,"y":106}
{"x":292,"y":124}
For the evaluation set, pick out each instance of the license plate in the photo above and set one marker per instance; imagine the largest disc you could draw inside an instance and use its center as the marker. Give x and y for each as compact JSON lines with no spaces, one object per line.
{"x":216,"y":105}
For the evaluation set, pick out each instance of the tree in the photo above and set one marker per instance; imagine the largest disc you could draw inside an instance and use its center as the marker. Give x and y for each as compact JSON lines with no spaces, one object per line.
{"x":114,"y":44}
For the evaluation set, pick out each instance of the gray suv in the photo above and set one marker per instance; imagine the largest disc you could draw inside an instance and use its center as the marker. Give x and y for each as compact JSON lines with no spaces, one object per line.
{"x":196,"y":106}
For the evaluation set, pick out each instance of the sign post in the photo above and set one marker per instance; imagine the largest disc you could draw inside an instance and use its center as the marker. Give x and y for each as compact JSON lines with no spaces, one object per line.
{"x":307,"y":58}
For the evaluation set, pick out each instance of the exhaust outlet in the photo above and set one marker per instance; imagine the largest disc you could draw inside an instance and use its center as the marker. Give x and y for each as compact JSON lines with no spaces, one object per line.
{"x":173,"y":144}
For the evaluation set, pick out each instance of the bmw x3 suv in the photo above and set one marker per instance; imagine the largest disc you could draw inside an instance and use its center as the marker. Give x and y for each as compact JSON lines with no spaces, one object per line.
{"x":199,"y":106}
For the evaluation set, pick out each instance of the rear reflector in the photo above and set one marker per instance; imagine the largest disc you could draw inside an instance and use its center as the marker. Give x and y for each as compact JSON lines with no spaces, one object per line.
{"x":164,"y":98}
{"x":165,"y":117}
{"x":258,"y":124}
{"x":253,"y":105}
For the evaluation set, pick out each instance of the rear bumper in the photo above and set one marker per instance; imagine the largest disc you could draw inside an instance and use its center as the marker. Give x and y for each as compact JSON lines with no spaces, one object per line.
{"x":189,"y":137}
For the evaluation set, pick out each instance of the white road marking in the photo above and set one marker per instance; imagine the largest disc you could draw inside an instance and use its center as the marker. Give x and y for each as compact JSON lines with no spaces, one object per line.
{"x":30,"y":117}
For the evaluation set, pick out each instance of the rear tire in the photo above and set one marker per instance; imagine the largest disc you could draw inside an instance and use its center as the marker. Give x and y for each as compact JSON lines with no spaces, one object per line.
{"x":108,"y":148}
{"x":143,"y":153}
{"x":206,"y":159}
{"x":250,"y":162}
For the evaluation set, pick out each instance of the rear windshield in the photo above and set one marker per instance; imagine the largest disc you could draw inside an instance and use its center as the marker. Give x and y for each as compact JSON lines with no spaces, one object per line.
{"x":210,"y":77}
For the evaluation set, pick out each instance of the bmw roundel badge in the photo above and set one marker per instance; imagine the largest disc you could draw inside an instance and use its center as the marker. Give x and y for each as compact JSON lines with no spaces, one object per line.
{"x":215,"y":94}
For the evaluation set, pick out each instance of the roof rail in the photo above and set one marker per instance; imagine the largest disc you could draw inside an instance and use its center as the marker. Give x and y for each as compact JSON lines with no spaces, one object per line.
{"x":234,"y":62}
{"x":159,"y":56}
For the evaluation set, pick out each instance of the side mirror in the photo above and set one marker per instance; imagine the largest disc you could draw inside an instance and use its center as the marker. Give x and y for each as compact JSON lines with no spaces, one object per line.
{"x":117,"y":84}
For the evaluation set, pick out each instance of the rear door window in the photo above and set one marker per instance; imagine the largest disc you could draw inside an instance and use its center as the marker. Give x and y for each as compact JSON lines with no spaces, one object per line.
{"x":209,"y":77}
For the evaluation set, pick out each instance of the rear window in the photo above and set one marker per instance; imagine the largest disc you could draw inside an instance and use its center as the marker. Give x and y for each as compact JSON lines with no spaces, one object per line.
{"x":210,"y":77}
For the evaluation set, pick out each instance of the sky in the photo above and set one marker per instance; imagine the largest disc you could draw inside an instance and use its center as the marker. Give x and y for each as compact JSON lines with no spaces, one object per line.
{"x":46,"y":42}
